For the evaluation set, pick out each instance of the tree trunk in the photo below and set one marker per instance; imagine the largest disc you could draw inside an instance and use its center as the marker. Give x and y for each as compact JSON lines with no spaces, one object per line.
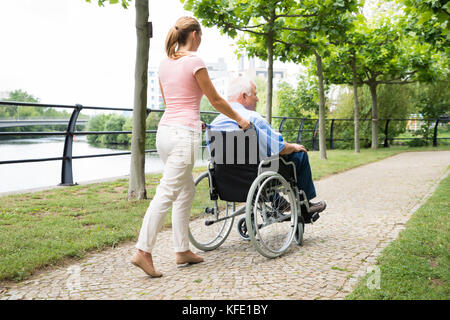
{"x":269,"y":78}
{"x":356,"y":106}
{"x":322,"y":139}
{"x":373,"y":93}
{"x":136,"y":188}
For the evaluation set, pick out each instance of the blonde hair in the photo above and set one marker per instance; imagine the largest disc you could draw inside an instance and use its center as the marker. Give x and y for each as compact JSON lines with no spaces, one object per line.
{"x":179,"y":34}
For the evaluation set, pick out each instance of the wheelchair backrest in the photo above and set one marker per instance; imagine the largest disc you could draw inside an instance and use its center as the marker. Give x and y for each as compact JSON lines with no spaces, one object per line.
{"x":235,"y":159}
{"x":233,"y":147}
{"x":236,"y":162}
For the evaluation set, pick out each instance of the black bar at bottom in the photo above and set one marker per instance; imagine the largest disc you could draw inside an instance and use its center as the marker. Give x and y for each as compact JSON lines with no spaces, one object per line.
{"x":74,"y":157}
{"x":30,"y":160}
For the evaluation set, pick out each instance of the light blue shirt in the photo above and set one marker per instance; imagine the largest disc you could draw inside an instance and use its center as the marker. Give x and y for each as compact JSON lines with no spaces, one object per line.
{"x":270,"y":142}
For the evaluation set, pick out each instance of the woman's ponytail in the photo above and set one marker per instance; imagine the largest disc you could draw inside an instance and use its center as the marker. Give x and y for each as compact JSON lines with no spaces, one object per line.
{"x":179,"y":34}
{"x":172,"y":42}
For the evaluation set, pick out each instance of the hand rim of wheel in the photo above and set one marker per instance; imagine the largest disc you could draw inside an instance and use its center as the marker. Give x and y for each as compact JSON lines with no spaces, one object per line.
{"x":261,"y":248}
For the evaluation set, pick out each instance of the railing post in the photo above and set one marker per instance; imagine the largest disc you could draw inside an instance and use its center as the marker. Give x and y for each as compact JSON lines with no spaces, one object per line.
{"x":300,"y":130}
{"x":314,"y":139}
{"x":386,"y":142}
{"x":331,"y":134}
{"x":280,"y":130}
{"x":147,"y":113}
{"x":66,"y":172}
{"x":435,"y":133}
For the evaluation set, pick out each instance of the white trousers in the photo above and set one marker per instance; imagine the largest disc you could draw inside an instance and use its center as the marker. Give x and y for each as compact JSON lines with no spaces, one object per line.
{"x":177,"y":148}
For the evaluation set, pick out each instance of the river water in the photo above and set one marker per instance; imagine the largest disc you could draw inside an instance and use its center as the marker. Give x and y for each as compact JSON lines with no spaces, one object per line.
{"x":23,"y":176}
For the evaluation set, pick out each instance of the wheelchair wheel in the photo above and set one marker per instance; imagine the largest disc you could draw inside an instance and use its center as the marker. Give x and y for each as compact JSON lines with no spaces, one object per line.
{"x":204,"y":233}
{"x":271,"y":209}
{"x":242,"y":229}
{"x":300,"y":231}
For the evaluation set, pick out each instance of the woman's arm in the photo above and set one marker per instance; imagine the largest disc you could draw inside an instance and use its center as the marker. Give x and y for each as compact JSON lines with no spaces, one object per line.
{"x":162,"y":92}
{"x":219,"y":103}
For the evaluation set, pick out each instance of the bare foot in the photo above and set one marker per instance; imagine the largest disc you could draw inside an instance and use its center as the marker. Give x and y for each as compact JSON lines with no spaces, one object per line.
{"x":144,"y":261}
{"x":187,"y":257}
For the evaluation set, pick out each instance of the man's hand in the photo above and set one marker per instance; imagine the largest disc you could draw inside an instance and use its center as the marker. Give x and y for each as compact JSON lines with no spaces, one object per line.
{"x":203,"y":126}
{"x":299,"y":148}
{"x":293,"y":147}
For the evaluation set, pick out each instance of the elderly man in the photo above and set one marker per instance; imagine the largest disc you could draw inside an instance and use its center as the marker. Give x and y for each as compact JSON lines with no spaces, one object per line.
{"x":243,"y":98}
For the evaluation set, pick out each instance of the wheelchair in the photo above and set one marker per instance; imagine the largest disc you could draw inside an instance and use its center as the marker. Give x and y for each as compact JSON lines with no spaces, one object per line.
{"x":238,"y":183}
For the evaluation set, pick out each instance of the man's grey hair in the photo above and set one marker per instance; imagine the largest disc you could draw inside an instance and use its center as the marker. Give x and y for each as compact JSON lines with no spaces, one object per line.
{"x":239,"y":85}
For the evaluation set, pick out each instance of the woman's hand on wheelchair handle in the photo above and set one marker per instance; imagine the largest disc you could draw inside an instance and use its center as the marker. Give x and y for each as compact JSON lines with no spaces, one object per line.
{"x":244,"y":124}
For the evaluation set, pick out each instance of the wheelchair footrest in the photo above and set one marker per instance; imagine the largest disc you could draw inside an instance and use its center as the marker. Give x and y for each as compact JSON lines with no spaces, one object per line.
{"x":309,"y":217}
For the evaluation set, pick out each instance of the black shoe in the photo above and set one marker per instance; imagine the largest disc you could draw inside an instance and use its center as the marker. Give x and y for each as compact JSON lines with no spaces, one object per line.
{"x":313,"y":214}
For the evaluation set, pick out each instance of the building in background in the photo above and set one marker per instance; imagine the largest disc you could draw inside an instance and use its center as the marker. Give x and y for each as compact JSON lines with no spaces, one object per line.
{"x":253,"y":67}
{"x":154,"y":96}
{"x":4,"y":95}
{"x":414,"y":125}
{"x":218,"y":73}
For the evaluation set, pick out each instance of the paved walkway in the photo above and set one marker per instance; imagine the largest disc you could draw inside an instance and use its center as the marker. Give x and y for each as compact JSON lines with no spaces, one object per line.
{"x":367,"y":207}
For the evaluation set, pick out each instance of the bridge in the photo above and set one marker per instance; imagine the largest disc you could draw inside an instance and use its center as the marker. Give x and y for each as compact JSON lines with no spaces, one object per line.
{"x":37,"y":122}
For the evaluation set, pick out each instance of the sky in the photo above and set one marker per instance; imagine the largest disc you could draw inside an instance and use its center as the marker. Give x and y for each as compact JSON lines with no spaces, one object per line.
{"x":71,"y":51}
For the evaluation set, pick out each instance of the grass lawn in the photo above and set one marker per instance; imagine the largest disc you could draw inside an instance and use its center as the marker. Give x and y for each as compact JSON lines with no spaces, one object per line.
{"x":44,"y":228}
{"x":416,"y":265}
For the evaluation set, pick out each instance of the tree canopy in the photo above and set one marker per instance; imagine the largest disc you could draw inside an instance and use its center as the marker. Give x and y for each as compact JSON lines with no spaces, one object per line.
{"x":406,"y":44}
{"x":101,"y":3}
{"x":381,"y":53}
{"x":287,"y":30}
{"x":429,"y":19}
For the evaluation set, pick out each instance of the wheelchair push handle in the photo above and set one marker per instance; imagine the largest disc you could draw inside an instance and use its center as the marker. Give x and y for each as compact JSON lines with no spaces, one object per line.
{"x":208,"y":126}
{"x":250,"y":124}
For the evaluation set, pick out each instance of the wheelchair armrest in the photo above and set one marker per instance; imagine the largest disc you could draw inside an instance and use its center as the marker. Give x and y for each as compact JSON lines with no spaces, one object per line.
{"x":266,"y":161}
{"x":281,"y":161}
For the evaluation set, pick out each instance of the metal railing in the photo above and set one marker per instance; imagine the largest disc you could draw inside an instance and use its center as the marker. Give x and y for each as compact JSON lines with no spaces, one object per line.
{"x":36,"y":122}
{"x":67,"y":157}
{"x":332,"y":139}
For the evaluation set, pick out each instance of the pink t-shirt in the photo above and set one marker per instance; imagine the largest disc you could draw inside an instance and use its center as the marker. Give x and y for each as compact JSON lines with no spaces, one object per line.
{"x":181,"y":91}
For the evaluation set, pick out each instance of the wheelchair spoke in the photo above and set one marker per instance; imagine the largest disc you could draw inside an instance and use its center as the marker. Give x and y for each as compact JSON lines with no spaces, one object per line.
{"x":276,"y":228}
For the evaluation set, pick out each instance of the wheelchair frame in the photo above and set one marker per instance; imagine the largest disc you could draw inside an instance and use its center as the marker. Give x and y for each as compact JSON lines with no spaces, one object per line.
{"x":249,"y":209}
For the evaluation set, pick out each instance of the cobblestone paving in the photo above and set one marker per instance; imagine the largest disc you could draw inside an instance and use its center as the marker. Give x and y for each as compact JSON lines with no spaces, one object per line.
{"x":367,"y":208}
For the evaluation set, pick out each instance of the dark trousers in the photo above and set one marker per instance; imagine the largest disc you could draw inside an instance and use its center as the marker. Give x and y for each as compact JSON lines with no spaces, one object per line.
{"x":304,"y":176}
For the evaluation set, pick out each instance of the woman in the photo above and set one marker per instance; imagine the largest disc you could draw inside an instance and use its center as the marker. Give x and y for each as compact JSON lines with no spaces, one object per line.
{"x":183,"y":79}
